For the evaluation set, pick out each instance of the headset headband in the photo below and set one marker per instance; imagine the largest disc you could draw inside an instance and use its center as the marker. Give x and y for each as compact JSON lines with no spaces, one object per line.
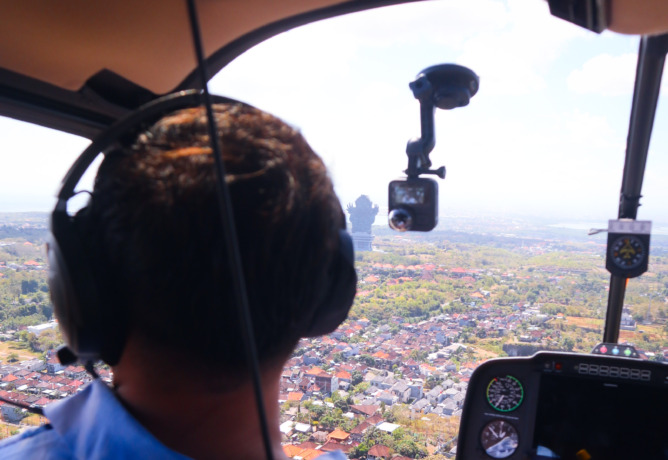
{"x":129,"y":126}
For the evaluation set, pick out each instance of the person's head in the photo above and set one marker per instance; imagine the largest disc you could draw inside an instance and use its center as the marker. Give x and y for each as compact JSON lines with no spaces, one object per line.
{"x":154,"y":231}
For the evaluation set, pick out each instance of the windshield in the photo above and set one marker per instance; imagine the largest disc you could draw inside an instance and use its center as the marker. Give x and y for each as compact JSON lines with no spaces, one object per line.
{"x":533,"y":162}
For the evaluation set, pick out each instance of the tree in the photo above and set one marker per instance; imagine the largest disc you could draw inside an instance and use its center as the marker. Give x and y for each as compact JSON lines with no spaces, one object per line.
{"x":432,"y":381}
{"x":418,"y":355}
{"x":360,"y":387}
{"x":367,"y":359}
{"x":342,"y":405}
{"x":28,"y":286}
{"x":408,"y":448}
{"x":317,"y":411}
{"x":568,"y":343}
{"x":360,"y":451}
{"x":328,"y":422}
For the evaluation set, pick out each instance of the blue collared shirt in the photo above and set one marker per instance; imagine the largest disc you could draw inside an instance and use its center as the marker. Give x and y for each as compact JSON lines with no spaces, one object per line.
{"x":93,"y":424}
{"x":89,"y":425}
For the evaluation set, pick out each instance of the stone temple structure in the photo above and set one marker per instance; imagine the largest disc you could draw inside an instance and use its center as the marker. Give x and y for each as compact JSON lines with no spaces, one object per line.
{"x":362,"y":215}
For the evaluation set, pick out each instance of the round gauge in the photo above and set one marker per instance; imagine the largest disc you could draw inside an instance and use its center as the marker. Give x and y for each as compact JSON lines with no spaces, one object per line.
{"x":505,"y":394}
{"x":499,"y":439}
{"x":627,"y":252}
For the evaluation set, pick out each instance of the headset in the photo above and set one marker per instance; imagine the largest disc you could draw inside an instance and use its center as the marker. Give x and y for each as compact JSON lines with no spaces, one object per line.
{"x":95,"y":328}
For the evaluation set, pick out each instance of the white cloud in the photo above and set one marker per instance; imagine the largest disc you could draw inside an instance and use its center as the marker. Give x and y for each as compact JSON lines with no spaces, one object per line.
{"x":594,"y":131}
{"x":33,"y":161}
{"x":516,"y":59}
{"x":317,"y":58}
{"x":558,"y":163}
{"x":605,"y":75}
{"x":445,"y":22}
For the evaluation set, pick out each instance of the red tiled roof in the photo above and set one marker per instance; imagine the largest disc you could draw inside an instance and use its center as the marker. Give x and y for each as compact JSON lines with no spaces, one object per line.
{"x":381,"y":355}
{"x":307,"y":445}
{"x":43,"y":401}
{"x":379,"y":451}
{"x":361,"y":428}
{"x":308,"y":454}
{"x":331,"y":446}
{"x":365,"y":409}
{"x":291,"y":450}
{"x":343,"y":375}
{"x":375,"y":419}
{"x":338,"y":434}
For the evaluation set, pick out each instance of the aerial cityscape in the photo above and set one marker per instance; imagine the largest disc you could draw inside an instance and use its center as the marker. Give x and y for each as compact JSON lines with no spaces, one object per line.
{"x":391,"y":381}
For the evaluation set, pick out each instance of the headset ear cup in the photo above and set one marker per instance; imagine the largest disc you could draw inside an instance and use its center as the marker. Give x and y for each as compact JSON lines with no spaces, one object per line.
{"x":61,"y":291}
{"x":92,"y":331}
{"x":342,"y":287}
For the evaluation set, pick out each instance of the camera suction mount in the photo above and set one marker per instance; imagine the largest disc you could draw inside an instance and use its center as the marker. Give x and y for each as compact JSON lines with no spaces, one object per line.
{"x":413,"y":202}
{"x":444,"y":86}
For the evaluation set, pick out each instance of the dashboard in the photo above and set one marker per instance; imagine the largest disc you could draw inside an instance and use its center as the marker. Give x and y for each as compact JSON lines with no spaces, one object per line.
{"x":566,"y":406}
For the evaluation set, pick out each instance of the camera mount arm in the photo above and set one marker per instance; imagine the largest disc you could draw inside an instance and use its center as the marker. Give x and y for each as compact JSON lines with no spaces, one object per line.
{"x":444,"y":86}
{"x":413,"y":202}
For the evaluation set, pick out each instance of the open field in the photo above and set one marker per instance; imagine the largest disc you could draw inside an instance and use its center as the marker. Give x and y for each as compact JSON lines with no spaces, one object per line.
{"x":594,"y":324}
{"x":485,"y":350}
{"x":7,"y":430}
{"x":7,"y":348}
{"x":35,"y":420}
{"x":654,"y":332}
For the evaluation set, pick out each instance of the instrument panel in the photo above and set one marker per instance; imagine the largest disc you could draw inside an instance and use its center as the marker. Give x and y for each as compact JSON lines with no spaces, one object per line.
{"x":566,"y":406}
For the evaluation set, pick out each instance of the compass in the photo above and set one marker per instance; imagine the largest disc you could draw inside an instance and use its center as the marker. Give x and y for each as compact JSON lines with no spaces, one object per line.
{"x":628,"y":248}
{"x":627,"y":252}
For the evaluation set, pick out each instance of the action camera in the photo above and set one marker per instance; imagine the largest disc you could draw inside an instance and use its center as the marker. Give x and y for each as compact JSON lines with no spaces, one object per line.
{"x":413,"y":204}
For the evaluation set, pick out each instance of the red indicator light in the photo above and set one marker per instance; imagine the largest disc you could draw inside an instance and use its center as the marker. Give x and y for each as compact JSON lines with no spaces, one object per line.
{"x":604,"y":349}
{"x":557,"y":366}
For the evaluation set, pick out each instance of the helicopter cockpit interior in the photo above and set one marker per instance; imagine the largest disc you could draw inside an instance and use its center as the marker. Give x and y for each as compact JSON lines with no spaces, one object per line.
{"x":452,"y":96}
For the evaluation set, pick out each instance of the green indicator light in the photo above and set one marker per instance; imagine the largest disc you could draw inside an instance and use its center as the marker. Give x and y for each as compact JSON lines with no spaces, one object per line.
{"x":627,"y":352}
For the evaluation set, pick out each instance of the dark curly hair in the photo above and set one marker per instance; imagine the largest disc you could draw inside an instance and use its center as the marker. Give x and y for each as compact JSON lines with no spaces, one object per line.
{"x":156,"y":232}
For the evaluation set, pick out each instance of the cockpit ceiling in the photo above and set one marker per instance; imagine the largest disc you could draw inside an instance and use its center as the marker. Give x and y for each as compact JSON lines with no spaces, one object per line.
{"x":146,"y":42}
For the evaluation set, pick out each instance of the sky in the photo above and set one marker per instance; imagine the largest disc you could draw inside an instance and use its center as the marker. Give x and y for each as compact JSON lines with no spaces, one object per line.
{"x":545,"y":135}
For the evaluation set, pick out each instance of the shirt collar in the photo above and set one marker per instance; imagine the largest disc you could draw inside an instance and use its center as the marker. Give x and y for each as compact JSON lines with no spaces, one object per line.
{"x":95,"y":425}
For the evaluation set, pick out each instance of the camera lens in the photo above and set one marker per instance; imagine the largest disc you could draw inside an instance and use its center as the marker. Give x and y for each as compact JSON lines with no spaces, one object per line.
{"x":400,"y":220}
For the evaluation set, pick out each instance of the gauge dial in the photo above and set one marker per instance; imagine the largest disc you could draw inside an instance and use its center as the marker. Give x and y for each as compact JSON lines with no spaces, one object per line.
{"x":499,"y":439}
{"x":628,"y":252}
{"x":505,"y":394}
